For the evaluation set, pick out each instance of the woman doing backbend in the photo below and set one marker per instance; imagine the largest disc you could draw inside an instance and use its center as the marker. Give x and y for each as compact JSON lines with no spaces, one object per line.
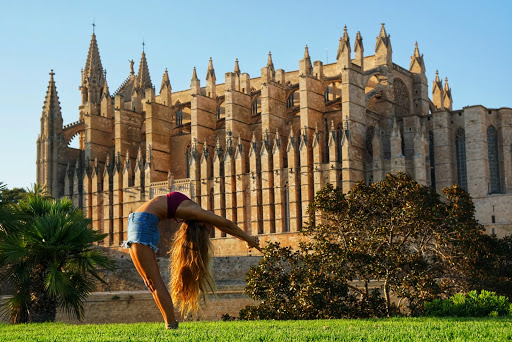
{"x":190,"y":252}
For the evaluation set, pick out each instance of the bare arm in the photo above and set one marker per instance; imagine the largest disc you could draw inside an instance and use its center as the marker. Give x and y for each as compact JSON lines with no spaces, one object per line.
{"x":189,"y":210}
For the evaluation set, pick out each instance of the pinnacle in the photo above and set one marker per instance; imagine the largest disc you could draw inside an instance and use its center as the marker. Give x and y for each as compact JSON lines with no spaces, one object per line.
{"x":382,"y":31}
{"x":446,"y":86}
{"x":306,"y":52}
{"x":416,"y":50}
{"x":211,"y":70}
{"x":194,"y":74}
{"x":237,"y":67}
{"x":345,"y":34}
{"x":270,"y":63}
{"x":165,"y":81}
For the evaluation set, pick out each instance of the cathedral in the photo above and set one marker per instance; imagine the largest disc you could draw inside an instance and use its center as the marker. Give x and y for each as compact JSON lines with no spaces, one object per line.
{"x":256,"y":149}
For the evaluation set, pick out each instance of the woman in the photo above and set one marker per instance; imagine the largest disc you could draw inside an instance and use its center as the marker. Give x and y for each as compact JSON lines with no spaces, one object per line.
{"x":190,"y":251}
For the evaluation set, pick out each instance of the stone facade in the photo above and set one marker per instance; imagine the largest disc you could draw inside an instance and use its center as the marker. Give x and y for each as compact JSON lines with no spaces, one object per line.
{"x":256,"y":149}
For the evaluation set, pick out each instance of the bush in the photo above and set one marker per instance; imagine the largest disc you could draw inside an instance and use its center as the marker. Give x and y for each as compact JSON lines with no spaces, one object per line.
{"x":471,"y":304}
{"x":306,"y":284}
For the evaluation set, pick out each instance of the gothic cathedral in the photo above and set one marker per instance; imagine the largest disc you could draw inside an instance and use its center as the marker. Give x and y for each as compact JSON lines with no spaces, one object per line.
{"x":256,"y":149}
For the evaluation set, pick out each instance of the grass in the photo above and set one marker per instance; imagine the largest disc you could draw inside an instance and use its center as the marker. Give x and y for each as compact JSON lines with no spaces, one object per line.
{"x":395,"y":329}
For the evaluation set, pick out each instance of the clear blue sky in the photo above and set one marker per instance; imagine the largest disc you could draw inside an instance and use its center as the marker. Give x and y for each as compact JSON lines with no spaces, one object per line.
{"x":468,"y":41}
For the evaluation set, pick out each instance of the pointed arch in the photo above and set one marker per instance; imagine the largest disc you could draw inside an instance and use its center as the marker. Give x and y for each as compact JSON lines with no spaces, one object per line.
{"x":256,"y":106}
{"x":286,"y":193}
{"x":402,"y":103}
{"x":494,"y":161}
{"x":293,"y":100}
{"x":339,"y":141}
{"x":431,"y":159}
{"x":460,"y":154}
{"x":188,"y":158}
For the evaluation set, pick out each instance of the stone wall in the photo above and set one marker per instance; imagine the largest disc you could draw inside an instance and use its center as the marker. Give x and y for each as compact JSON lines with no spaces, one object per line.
{"x":125,"y":299}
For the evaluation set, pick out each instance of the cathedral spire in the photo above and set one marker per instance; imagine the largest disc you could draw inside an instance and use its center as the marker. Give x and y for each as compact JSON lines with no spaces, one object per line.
{"x":51,"y":107}
{"x":93,"y":65}
{"x":92,"y":75}
{"x":143,"y":74}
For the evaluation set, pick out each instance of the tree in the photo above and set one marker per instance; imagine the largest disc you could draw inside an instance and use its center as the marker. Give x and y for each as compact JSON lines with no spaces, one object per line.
{"x":304,"y":284}
{"x":11,"y":195}
{"x":395,"y":233}
{"x":51,"y":260}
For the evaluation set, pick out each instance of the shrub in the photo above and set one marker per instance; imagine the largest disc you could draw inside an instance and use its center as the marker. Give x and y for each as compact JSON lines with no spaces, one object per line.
{"x":472,"y":304}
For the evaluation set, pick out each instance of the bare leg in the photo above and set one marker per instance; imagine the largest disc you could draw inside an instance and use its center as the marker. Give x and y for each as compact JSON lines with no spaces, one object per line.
{"x":144,"y":259}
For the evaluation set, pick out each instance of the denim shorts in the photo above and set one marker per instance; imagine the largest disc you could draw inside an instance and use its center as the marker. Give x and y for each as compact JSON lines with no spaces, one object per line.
{"x":143,"y":229}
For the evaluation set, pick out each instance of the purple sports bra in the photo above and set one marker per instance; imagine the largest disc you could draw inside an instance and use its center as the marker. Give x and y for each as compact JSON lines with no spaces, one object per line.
{"x":174,"y":200}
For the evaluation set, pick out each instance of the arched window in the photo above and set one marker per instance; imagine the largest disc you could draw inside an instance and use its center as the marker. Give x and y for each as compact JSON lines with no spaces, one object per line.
{"x":460,"y":152}
{"x":187,"y":156}
{"x":291,"y":100}
{"x":221,"y":111}
{"x":286,"y":227}
{"x":494,"y":162}
{"x":370,"y":132}
{"x":179,"y":117}
{"x":326,"y":95}
{"x":256,"y":106}
{"x":339,"y":138}
{"x":326,"y":142}
{"x":401,"y":98}
{"x":432,"y":161}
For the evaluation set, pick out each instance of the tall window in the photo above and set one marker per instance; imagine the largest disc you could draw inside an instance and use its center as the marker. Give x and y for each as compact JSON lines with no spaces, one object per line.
{"x":432,"y":161}
{"x":339,"y":138}
{"x":326,"y":95}
{"x":401,"y":98}
{"x":187,"y":156}
{"x":370,"y":132}
{"x":255,"y":108}
{"x":494,"y":162}
{"x":326,"y":142}
{"x":179,"y":117}
{"x":460,"y":151}
{"x":286,"y":227}
{"x":291,"y":101}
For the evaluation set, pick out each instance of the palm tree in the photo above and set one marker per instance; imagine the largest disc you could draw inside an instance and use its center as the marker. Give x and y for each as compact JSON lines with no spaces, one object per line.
{"x":51,"y":261}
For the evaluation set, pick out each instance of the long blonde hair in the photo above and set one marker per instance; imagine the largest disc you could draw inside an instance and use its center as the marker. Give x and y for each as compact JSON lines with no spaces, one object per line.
{"x":190,"y":267}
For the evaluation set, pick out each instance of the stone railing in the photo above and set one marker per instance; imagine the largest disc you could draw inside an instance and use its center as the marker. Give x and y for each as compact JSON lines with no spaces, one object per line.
{"x":182,"y":185}
{"x":161,"y":188}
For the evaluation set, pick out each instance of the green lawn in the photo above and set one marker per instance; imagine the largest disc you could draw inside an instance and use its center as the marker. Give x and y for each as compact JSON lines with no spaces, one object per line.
{"x":396,"y":329}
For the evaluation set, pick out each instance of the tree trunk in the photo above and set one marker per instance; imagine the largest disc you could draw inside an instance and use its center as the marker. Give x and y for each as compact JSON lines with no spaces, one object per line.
{"x":43,"y":307}
{"x":386,"y":297}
